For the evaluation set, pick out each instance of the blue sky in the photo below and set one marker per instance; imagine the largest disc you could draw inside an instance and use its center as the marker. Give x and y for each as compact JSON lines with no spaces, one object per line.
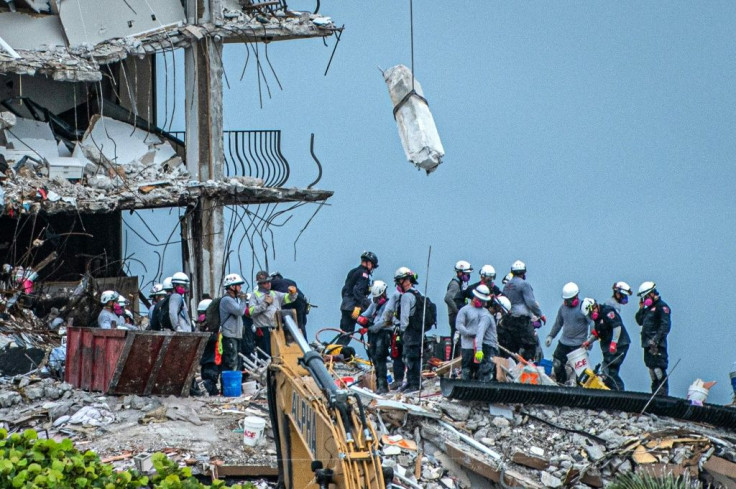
{"x":592,"y":140}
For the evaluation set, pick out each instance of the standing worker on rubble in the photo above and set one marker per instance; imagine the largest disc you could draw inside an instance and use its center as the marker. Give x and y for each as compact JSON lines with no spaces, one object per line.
{"x":523,"y":306}
{"x":487,"y":276}
{"x":396,"y":347}
{"x":455,"y":295}
{"x":300,"y":305}
{"x":264,"y":304}
{"x":208,"y":363}
{"x":157,"y":293}
{"x":574,"y":325}
{"x":410,"y":327}
{"x":615,"y":340}
{"x":167,"y":288}
{"x":178,"y":309}
{"x":355,"y":295}
{"x":654,"y":318}
{"x":231,"y":309}
{"x":473,"y":320}
{"x":107,"y":319}
{"x":379,"y":333}
{"x":621,"y":293}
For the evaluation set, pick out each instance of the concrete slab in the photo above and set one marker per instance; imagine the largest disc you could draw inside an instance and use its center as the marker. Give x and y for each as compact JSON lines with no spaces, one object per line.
{"x":31,"y":32}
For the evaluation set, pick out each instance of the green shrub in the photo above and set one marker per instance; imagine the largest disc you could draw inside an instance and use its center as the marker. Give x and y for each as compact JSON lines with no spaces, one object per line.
{"x":30,"y":463}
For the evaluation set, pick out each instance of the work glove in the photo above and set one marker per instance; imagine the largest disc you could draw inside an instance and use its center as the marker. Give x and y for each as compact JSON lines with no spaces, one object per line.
{"x":356,"y":313}
{"x":292,"y":290}
{"x":268,"y":299}
{"x":586,"y":345}
{"x":544,"y":319}
{"x":363,"y":331}
{"x":612,"y":347}
{"x":537,"y":323}
{"x":479,"y":356}
{"x":548,"y":341}
{"x":362,"y":320}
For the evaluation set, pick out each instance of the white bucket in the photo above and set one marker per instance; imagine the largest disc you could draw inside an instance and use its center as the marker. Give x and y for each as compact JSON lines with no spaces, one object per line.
{"x":250,"y":387}
{"x":579,"y":360}
{"x":253,"y":427}
{"x":697,"y":394}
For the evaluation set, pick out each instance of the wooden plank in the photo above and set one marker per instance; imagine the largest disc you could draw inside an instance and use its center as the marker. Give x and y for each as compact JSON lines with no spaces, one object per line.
{"x":461,"y":456}
{"x":530,"y":461}
{"x":447,"y":366}
{"x":723,"y":471}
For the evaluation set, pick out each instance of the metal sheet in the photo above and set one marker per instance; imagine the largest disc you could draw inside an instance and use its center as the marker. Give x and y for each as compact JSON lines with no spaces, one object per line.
{"x":91,"y":356}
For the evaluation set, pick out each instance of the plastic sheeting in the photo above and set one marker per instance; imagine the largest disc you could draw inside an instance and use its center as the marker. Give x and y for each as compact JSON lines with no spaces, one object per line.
{"x":417,"y":129}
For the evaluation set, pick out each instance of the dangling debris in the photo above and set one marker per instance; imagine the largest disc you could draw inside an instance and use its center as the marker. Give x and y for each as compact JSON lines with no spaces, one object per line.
{"x":417,"y":129}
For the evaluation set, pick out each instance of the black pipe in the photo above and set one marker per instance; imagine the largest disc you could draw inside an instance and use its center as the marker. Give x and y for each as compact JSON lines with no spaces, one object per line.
{"x":633,"y":402}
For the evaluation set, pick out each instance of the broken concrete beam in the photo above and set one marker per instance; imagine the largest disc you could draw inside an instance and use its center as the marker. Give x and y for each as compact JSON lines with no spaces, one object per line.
{"x":532,"y":462}
{"x":722,"y":471}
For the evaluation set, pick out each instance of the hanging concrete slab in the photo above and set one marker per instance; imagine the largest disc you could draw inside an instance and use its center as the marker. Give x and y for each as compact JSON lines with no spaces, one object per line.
{"x":31,"y":32}
{"x":93,"y":21}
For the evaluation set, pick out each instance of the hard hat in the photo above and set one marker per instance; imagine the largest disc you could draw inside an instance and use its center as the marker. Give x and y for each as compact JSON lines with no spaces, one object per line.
{"x":518,"y":266}
{"x":157,"y":289}
{"x":482,"y":292}
{"x":570,"y":290}
{"x":233,"y":279}
{"x":371,"y":257}
{"x":503,"y":302}
{"x":203,"y":304}
{"x":507,"y":278}
{"x":167,"y":285}
{"x":262,"y":277}
{"x":463,"y":266}
{"x":488,"y":271}
{"x":129,"y":314}
{"x":180,"y":278}
{"x":587,"y":306}
{"x":276,"y":275}
{"x":645,"y":288}
{"x":122,"y":300}
{"x":378,"y":288}
{"x":404,"y":272}
{"x":108,"y":295}
{"x":622,"y":288}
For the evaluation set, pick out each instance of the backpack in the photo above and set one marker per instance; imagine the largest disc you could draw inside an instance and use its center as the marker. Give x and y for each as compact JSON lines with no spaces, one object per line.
{"x":212,"y":316}
{"x":162,"y":314}
{"x":415,"y":321}
{"x":155,"y":324}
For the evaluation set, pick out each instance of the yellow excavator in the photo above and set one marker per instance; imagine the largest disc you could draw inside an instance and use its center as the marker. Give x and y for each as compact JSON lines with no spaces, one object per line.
{"x":323,"y":437}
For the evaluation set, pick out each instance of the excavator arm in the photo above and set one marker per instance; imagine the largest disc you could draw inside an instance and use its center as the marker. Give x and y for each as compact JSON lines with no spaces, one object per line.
{"x":323,"y":436}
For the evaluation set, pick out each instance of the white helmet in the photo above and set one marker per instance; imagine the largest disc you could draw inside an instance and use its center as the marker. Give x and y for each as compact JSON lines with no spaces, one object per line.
{"x":402,"y":272}
{"x":482,"y":292}
{"x":645,"y":288}
{"x":233,"y":279}
{"x":503,"y":302}
{"x":378,"y":288}
{"x":587,"y":306}
{"x":180,"y":278}
{"x":518,"y":266}
{"x":167,"y":285}
{"x":570,"y":290}
{"x":157,"y":289}
{"x":463,"y":266}
{"x":622,"y":288}
{"x":507,"y":278}
{"x":122,"y":300}
{"x":203,"y":304}
{"x":129,"y":314}
{"x":108,"y":295}
{"x":488,"y":271}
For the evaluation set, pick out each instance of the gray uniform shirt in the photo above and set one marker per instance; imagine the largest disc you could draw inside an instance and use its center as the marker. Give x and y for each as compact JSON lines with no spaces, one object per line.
{"x":263,"y":313}
{"x":106,"y":319}
{"x":408,"y":303}
{"x":389,"y":312}
{"x":521,"y":295}
{"x":179,"y":314}
{"x":231,"y":317}
{"x":614,"y":304}
{"x":574,"y":325}
{"x":470,"y":322}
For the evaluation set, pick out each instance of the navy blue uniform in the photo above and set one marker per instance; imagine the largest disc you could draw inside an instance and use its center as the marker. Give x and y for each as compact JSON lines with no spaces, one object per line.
{"x":655,"y":326}
{"x":605,"y":328}
{"x":354,"y":294}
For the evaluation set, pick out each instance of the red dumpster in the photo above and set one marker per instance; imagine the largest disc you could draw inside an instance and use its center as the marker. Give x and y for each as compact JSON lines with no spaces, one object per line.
{"x":117,"y":361}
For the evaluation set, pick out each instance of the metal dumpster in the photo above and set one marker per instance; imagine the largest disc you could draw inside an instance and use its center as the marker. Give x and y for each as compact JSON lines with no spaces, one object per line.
{"x":117,"y":361}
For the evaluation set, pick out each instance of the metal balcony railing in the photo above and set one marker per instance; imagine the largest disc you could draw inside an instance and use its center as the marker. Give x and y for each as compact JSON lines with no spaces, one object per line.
{"x":255,"y":153}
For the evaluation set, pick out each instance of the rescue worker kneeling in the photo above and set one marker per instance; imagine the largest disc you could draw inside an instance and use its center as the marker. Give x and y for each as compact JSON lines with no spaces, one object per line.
{"x":379,"y":333}
{"x":615,"y":341}
{"x":473,"y":322}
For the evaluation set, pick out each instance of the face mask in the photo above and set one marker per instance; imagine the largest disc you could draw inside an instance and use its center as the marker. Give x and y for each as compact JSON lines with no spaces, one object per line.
{"x":594,"y":315}
{"x":399,"y":289}
{"x":477,"y":302}
{"x":117,"y":309}
{"x":648,"y":302}
{"x":466,"y":277}
{"x":381,"y":301}
{"x":624,"y":299}
{"x":572,"y":302}
{"x":200,"y":318}
{"x":180,"y":289}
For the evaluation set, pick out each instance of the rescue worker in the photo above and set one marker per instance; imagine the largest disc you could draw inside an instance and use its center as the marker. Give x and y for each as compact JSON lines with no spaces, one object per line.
{"x":210,"y":369}
{"x":108,"y":319}
{"x":157,"y":293}
{"x":263,"y":306}
{"x":574,"y":325}
{"x":355,"y":295}
{"x":507,"y":278}
{"x":615,"y":341}
{"x":621,"y":293}
{"x":379,"y":332}
{"x":396,"y":348}
{"x":411,"y":330}
{"x":232,"y":309}
{"x":487,"y":276}
{"x":654,"y":318}
{"x":178,"y":310}
{"x":300,"y":305}
{"x":523,"y":306}
{"x":455,"y":295}
{"x":473,"y":321}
